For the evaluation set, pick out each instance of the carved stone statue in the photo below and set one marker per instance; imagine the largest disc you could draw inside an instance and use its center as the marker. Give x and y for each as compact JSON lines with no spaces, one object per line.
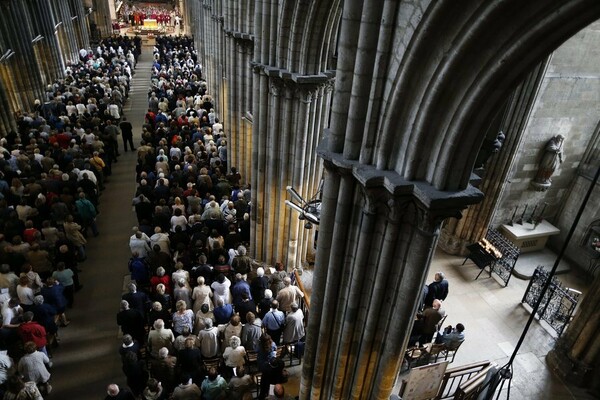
{"x":552,"y":158}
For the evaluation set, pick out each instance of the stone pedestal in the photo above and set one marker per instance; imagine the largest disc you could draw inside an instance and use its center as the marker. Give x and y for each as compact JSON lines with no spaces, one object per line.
{"x":529,"y":237}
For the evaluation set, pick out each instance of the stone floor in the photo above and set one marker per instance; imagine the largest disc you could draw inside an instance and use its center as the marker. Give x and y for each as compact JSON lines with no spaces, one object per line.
{"x":494,"y":319}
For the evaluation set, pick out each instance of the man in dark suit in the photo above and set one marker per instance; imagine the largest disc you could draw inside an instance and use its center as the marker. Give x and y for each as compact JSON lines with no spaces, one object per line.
{"x":438,"y":289}
{"x":127,"y":133}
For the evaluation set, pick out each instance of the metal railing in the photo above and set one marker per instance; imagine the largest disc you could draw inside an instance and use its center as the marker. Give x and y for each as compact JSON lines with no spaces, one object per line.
{"x":305,"y":301}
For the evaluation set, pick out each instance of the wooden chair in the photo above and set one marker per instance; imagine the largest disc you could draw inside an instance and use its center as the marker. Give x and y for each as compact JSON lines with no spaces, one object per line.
{"x":435,"y":351}
{"x":251,"y":362}
{"x":214,"y":362}
{"x":450,"y":351}
{"x":440,"y":324}
{"x":294,"y":351}
{"x":416,"y":356}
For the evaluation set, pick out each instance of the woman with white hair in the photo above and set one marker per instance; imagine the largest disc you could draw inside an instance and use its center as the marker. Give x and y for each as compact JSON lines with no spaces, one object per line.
{"x":180,"y":273}
{"x":234,"y":355}
{"x":202,"y":294}
{"x":160,"y":337}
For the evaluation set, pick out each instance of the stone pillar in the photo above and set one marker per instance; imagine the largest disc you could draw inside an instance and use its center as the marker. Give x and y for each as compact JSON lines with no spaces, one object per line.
{"x":576,"y":355}
{"x":16,"y":35}
{"x":456,"y":234}
{"x":102,"y":16}
{"x":48,"y":51}
{"x":375,"y":228}
{"x":80,"y":24}
{"x":7,"y":120}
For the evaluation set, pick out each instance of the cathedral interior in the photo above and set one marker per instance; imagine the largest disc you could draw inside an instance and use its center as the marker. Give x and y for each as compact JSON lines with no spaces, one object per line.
{"x":427,"y":134}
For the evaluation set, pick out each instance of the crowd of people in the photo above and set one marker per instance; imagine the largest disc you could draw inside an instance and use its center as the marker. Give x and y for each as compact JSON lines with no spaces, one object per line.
{"x":200,"y":320}
{"x":136,"y":14}
{"x":52,"y":173}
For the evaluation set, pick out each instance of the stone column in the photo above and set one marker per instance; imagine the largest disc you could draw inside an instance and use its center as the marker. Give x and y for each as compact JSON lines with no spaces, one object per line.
{"x":102,"y":17}
{"x":16,"y":35}
{"x":375,"y":228}
{"x":7,"y":120}
{"x":80,"y":24}
{"x":576,"y":355}
{"x":50,"y":56}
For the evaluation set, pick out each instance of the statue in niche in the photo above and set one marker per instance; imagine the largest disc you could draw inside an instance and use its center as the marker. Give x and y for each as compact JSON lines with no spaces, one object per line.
{"x":552,"y":158}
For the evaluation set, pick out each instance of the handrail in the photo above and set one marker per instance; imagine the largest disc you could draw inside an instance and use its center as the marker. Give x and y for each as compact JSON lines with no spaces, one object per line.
{"x":455,"y":379}
{"x":301,"y":286}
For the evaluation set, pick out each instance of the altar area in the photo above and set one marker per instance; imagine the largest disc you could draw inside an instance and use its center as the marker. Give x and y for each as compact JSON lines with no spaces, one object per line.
{"x":529,"y":237}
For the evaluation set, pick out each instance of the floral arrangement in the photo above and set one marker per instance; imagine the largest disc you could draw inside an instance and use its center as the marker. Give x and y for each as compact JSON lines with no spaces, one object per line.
{"x":596,"y":244}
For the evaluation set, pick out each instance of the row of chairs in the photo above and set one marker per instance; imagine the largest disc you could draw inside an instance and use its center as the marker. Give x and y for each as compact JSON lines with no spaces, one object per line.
{"x":422,"y":355}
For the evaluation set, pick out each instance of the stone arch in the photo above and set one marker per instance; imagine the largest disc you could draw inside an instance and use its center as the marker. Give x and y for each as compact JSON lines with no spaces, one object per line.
{"x":446,"y":71}
{"x":459,"y":67}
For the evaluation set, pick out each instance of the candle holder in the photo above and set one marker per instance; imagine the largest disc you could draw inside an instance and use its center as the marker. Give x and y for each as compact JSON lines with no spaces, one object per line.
{"x":512,"y":219}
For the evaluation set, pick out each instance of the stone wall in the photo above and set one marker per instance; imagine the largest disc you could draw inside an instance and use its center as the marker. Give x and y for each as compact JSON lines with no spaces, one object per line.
{"x":568,"y":103}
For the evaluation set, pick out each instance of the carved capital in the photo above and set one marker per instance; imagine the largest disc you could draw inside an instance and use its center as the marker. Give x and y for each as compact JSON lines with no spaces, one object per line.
{"x":276,"y":85}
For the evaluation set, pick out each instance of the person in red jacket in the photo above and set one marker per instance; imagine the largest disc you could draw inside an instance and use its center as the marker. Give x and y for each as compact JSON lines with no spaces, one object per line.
{"x":31,"y":331}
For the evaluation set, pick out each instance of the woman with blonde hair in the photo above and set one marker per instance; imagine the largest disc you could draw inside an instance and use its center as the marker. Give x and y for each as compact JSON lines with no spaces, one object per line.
{"x":182,"y":317}
{"x":178,"y":205}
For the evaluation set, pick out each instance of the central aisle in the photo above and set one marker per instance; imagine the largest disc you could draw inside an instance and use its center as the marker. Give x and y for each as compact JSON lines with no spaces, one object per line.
{"x":88,"y":359}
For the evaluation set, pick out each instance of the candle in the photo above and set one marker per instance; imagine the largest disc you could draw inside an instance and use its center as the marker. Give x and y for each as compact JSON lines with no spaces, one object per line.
{"x":542,"y":212}
{"x":514,"y":213}
{"x":524,"y":211}
{"x":530,"y":220}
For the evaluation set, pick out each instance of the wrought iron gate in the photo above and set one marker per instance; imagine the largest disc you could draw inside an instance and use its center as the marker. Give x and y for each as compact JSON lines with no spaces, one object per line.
{"x":558,"y":303}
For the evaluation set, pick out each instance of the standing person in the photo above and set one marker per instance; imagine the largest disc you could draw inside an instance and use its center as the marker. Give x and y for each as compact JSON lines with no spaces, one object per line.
{"x":182,"y":317}
{"x":87,"y":212}
{"x":16,"y":388}
{"x":294,"y":325}
{"x":127,"y":134}
{"x":135,"y":371}
{"x":32,"y":366}
{"x":114,"y":392}
{"x":265,"y":352}
{"x":131,"y":322}
{"x":288,"y":295}
{"x":273,"y":322}
{"x":438,"y":289}
{"x":64,"y":276}
{"x":31,"y":331}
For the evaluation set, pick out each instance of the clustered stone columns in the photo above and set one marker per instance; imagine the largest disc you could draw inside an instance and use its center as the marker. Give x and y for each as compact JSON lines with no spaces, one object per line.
{"x":80,"y":23}
{"x":102,"y":16}
{"x":212,"y":47}
{"x":289,"y":111}
{"x":48,"y":49}
{"x":237,"y":84}
{"x":20,"y":68}
{"x":7,"y":122}
{"x":576,"y":356}
{"x":66,"y":30}
{"x":377,"y":235}
{"x":457,"y":234}
{"x":37,"y":38}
